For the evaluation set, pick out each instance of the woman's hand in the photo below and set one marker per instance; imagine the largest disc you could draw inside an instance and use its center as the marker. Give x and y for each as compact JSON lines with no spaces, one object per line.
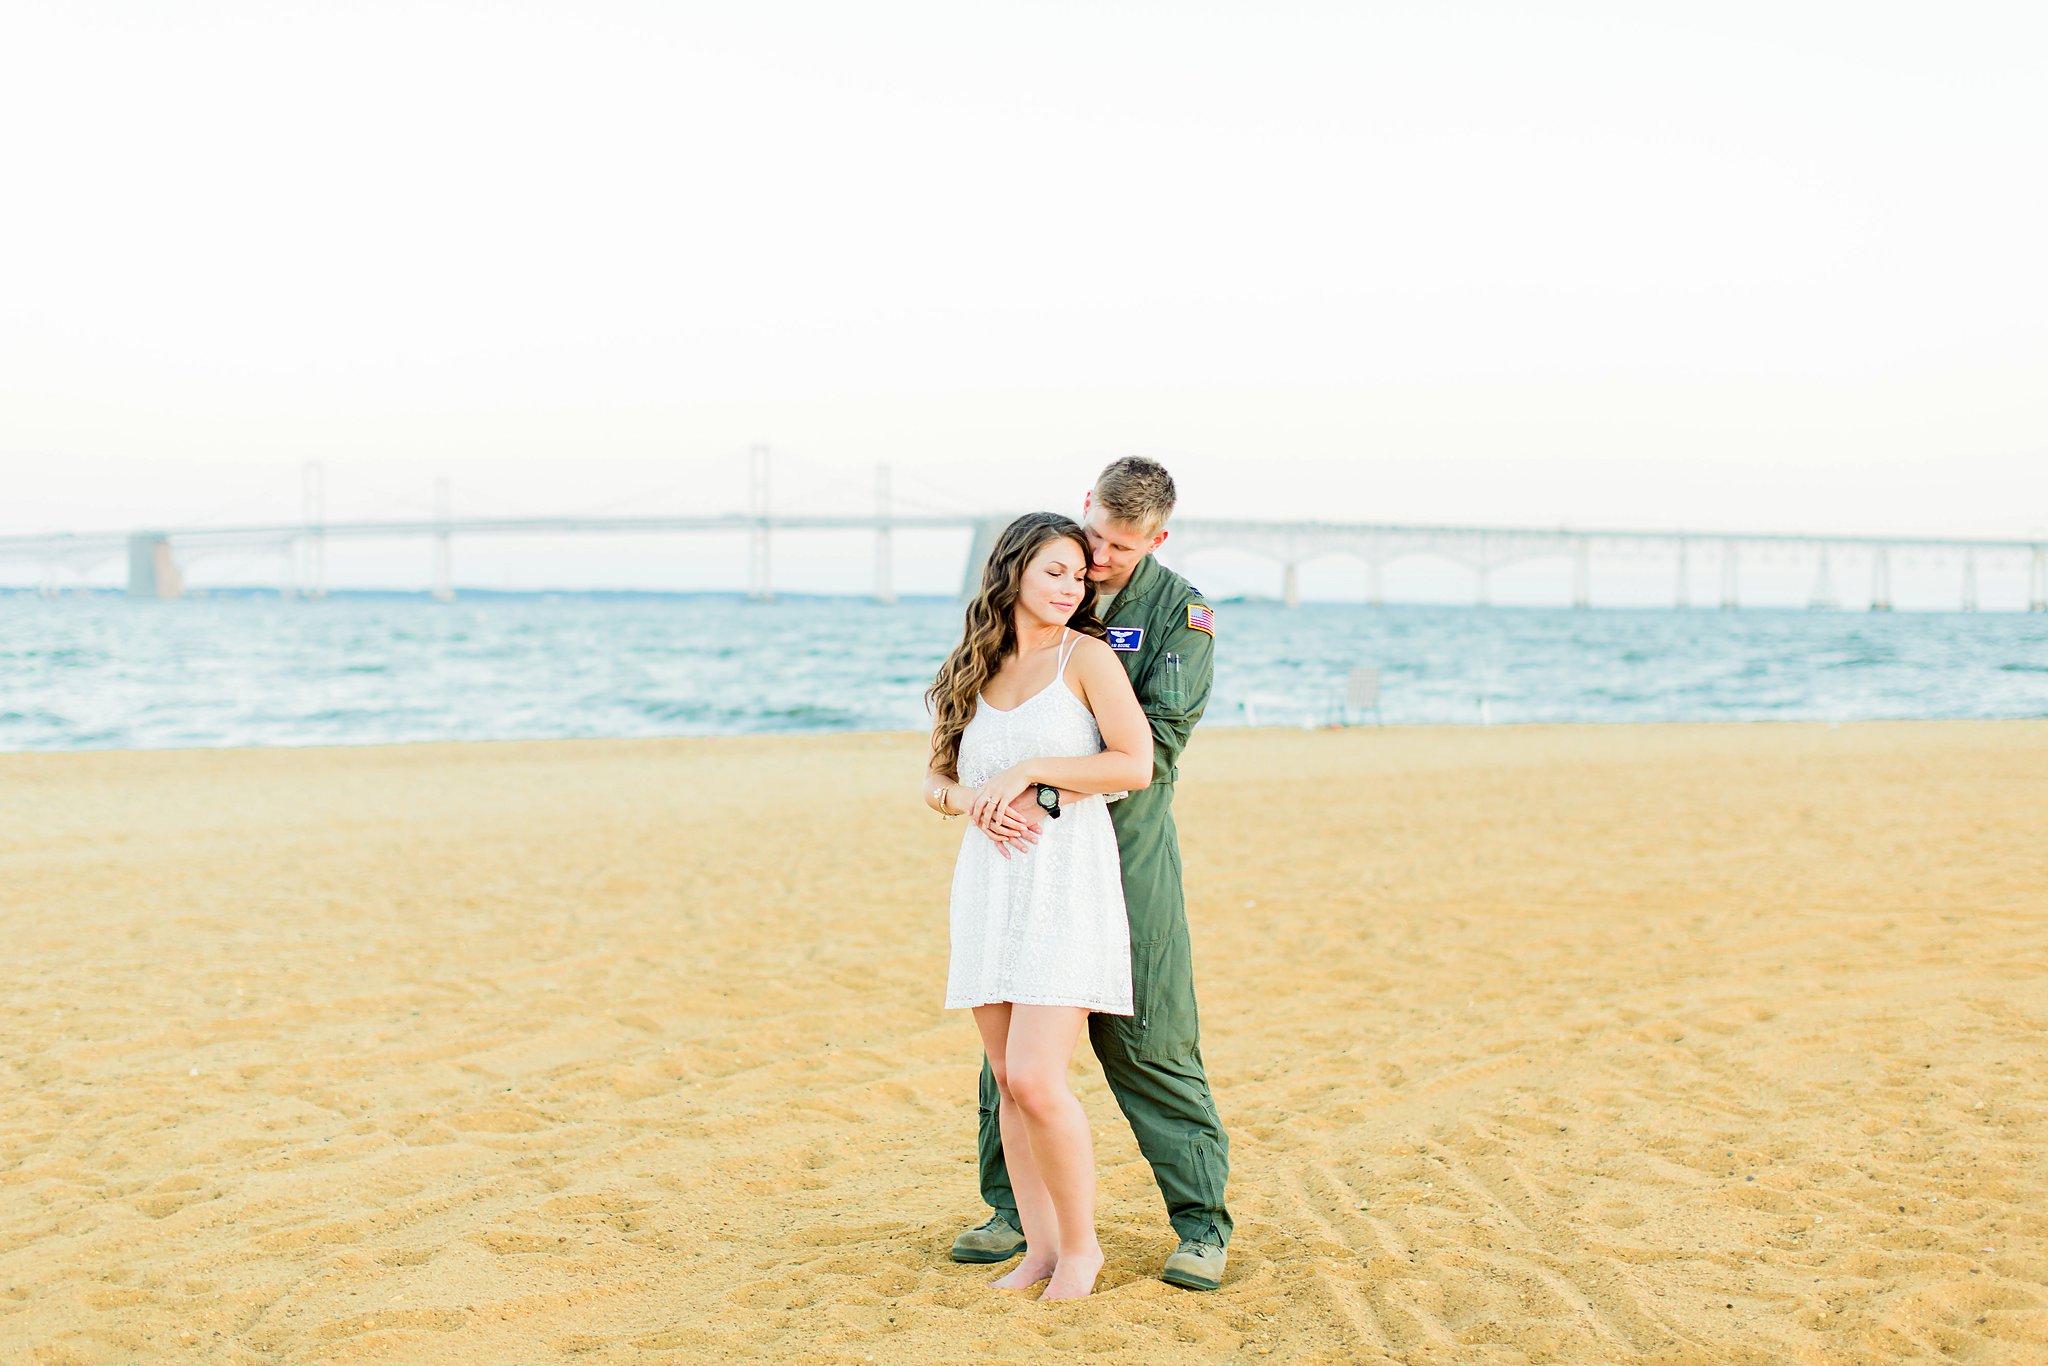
{"x":1017,"y":825}
{"x":995,"y":796}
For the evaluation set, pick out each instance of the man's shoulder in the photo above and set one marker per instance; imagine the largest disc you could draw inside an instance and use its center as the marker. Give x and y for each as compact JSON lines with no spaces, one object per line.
{"x":1174,"y":590}
{"x":1179,"y":605}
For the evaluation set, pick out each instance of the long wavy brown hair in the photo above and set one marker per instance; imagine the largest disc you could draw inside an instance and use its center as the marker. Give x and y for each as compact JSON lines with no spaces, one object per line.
{"x":991,"y":633}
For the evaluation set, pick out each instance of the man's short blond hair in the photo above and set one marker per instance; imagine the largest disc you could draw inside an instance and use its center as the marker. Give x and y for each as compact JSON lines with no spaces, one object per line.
{"x":1136,"y":491}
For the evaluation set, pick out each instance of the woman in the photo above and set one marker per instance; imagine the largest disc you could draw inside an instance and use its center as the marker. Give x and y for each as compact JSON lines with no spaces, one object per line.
{"x":1033,"y":707}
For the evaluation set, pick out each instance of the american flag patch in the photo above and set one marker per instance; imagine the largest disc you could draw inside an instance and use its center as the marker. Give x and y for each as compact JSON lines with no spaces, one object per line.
{"x":1201,"y":618}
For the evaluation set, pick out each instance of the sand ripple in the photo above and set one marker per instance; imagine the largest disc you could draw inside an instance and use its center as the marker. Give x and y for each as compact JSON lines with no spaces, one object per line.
{"x":1659,"y":1045}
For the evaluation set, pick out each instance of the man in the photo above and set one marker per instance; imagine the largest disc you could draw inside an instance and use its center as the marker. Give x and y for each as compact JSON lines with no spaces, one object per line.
{"x":1164,"y":632}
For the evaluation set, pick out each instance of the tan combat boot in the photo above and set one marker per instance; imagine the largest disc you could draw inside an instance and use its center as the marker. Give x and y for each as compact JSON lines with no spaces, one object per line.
{"x":995,"y":1241}
{"x":1195,"y":1265}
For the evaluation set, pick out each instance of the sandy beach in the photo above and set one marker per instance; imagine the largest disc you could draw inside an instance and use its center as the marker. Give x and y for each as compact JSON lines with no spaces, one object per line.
{"x":1556,"y":1044}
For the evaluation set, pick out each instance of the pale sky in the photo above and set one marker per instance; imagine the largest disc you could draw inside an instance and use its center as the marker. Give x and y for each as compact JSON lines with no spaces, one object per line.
{"x":1774,"y":266}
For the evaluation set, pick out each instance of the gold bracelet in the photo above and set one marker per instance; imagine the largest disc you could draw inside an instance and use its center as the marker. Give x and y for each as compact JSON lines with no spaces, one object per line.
{"x":946,"y":811}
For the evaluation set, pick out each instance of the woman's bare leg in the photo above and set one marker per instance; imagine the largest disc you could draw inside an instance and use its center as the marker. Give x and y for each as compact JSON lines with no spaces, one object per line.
{"x":1034,"y":1205}
{"x":1036,"y":1057}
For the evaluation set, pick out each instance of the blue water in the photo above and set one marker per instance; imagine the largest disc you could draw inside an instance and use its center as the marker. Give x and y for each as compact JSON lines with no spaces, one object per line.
{"x":102,"y":672}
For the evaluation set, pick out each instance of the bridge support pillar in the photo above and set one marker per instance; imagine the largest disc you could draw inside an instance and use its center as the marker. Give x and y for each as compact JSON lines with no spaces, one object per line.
{"x":1290,"y":586}
{"x":760,"y":578}
{"x":1969,"y":580}
{"x":1582,"y":574}
{"x":1682,"y":597}
{"x":444,"y":549}
{"x":313,"y":547}
{"x":2037,"y":580}
{"x":1375,"y":598}
{"x":986,"y":532}
{"x":152,"y":568}
{"x":1729,"y":569}
{"x":1823,"y":585}
{"x":885,"y":591}
{"x":1880,"y":579}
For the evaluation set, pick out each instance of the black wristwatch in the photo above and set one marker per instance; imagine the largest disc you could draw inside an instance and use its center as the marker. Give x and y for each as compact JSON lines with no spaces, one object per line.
{"x":1049,"y":800}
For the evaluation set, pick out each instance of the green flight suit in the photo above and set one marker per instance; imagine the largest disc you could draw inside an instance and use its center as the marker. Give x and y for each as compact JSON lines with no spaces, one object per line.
{"x":1152,"y":1059}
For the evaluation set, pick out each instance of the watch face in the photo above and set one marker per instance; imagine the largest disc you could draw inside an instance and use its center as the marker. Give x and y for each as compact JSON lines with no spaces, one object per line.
{"x":1048,"y":798}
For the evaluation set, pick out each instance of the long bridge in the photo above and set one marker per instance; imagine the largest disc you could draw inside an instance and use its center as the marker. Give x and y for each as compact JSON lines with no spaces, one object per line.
{"x":156,"y":557}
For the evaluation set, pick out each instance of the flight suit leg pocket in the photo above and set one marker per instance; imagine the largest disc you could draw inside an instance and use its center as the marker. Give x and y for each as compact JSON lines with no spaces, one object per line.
{"x":1163,"y":1024}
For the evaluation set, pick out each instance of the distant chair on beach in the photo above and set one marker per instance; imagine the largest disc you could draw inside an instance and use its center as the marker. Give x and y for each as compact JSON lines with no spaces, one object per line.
{"x":1361,"y":694}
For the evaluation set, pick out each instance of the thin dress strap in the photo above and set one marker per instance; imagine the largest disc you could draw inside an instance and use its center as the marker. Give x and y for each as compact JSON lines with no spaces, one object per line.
{"x":1067,"y":649}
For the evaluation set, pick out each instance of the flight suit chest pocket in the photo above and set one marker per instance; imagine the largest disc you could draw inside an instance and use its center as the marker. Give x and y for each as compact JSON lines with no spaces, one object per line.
{"x":1173,"y":691}
{"x":1163,"y":1024}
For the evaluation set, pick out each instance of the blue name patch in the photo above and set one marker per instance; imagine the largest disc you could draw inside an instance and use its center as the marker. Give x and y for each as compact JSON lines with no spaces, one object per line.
{"x":1125,"y":639}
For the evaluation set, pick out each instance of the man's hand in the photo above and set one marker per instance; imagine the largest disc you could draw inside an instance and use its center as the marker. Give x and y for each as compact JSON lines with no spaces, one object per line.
{"x":1017,"y":825}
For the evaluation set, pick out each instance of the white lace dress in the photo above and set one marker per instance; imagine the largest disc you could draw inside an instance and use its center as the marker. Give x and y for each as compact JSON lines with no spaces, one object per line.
{"x":1045,"y":927}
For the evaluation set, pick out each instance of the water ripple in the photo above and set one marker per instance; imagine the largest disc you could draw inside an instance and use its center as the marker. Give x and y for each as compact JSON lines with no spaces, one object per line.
{"x":98,"y":672}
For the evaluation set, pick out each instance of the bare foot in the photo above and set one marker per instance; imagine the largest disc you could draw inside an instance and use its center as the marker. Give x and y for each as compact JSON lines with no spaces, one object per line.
{"x":1074,"y":1276}
{"x":1026,"y":1273}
